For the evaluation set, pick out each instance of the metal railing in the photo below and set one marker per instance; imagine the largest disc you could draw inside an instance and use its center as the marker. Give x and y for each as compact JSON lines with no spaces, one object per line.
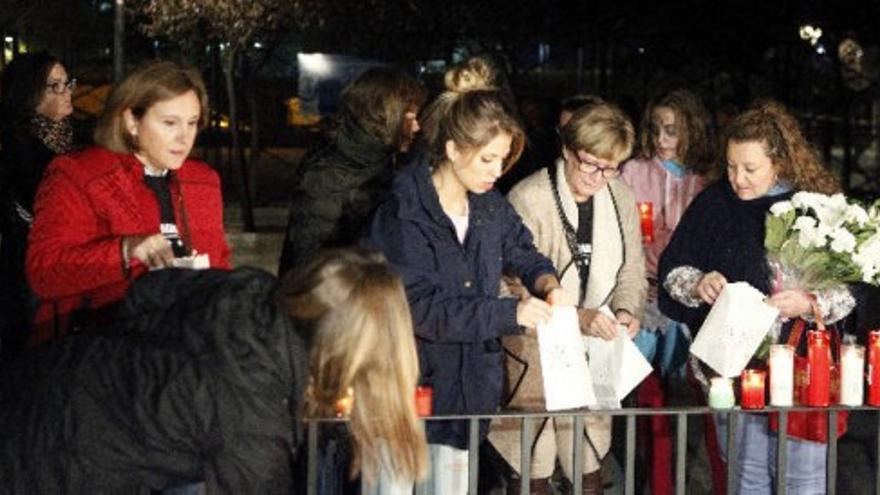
{"x":681,"y":418}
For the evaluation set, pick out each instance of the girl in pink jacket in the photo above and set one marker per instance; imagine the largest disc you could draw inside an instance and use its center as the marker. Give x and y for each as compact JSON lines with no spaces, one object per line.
{"x":676,"y":150}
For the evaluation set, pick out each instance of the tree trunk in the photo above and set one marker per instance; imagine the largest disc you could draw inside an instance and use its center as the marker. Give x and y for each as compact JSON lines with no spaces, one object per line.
{"x":118,"y":41}
{"x":255,"y":147}
{"x":247,"y":211}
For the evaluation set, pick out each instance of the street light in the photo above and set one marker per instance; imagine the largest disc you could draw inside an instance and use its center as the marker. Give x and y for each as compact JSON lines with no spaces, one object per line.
{"x":810,"y":33}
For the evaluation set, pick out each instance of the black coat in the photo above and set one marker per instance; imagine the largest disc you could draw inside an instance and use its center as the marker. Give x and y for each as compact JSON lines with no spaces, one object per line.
{"x":718,"y":232}
{"x":342,"y":182}
{"x":453,"y":292}
{"x":23,"y":160}
{"x":201,"y":380}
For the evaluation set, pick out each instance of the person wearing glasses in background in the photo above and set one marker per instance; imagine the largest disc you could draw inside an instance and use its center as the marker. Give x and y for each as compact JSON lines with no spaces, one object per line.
{"x":35,"y":104}
{"x":584,"y":219}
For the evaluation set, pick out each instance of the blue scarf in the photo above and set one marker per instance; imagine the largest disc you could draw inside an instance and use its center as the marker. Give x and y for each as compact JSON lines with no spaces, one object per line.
{"x":781,"y":187}
{"x":674,"y":168}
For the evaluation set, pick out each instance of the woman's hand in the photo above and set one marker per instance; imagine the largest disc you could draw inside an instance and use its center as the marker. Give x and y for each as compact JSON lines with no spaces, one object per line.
{"x":532,"y":312}
{"x":596,"y":324}
{"x":631,"y":323}
{"x":710,"y":286}
{"x":560,"y":297}
{"x":791,"y":303}
{"x":153,"y":250}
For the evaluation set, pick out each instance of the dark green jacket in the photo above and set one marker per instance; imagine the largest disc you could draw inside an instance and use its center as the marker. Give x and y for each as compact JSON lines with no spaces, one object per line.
{"x":342,"y":182}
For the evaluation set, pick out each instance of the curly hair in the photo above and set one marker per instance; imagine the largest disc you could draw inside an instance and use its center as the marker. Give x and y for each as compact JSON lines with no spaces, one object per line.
{"x":795,"y":160}
{"x":696,"y":142}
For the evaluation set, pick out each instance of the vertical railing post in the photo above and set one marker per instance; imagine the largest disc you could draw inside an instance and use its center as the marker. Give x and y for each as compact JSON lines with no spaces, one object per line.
{"x":877,"y":468}
{"x":782,"y":453}
{"x":630,"y":487}
{"x":577,"y":445}
{"x":312,"y":460}
{"x":831,"y":468}
{"x":421,"y":487}
{"x":732,"y":456}
{"x":680,"y":453}
{"x":525,"y":455}
{"x":473,"y":455}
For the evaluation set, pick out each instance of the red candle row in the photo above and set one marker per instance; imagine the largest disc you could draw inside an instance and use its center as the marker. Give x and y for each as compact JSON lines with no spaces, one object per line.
{"x":818,"y":374}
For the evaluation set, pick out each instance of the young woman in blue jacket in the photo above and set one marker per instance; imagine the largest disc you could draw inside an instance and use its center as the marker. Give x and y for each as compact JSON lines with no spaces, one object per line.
{"x":450,"y":236}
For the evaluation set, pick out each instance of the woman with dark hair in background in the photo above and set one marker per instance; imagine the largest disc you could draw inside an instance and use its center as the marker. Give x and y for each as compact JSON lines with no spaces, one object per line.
{"x":343,"y":180}
{"x":35,"y":103}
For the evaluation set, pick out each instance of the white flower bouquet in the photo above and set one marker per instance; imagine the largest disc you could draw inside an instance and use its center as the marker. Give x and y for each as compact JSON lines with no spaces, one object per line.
{"x":815,"y":241}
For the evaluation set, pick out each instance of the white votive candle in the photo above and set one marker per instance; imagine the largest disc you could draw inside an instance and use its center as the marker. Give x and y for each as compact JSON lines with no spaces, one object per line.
{"x":721,"y":393}
{"x":852,"y":374}
{"x":781,"y":375}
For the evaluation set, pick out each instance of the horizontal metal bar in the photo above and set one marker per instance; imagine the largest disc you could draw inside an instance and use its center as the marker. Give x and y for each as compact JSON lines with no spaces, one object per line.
{"x":634,"y":411}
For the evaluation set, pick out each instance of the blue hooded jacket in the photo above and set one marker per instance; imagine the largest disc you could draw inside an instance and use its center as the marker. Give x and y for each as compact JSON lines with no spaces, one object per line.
{"x":453,"y":292}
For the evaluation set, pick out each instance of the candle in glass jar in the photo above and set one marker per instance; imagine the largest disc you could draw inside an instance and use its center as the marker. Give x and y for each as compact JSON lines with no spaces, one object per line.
{"x":852,"y":372}
{"x":424,"y":399}
{"x":721,"y":393}
{"x":646,"y":215}
{"x":819,"y":362}
{"x":874,"y":368}
{"x":781,"y":375}
{"x":752,"y":389}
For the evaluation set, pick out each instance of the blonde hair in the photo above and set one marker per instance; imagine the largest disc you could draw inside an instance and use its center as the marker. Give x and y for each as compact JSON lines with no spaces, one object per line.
{"x":602,"y":130}
{"x":794,"y":159}
{"x":355,"y":308}
{"x":149,"y":84}
{"x":470,"y":113}
{"x":696,"y":142}
{"x":472,"y":74}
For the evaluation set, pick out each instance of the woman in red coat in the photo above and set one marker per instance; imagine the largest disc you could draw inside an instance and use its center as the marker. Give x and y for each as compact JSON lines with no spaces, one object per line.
{"x":135,"y":202}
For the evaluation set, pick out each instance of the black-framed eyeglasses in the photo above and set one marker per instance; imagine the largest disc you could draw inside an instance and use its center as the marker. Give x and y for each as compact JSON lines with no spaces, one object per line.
{"x":59,"y":87}
{"x":592,"y":167}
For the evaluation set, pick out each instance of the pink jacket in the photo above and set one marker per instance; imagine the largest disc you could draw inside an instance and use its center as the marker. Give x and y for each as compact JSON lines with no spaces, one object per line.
{"x":670,"y":195}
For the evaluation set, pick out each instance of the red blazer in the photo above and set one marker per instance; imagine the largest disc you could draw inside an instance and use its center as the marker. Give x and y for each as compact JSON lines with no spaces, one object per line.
{"x":86,"y":203}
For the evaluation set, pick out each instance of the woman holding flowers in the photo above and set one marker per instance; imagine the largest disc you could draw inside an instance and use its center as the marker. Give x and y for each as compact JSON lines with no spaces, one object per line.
{"x":720,"y":239}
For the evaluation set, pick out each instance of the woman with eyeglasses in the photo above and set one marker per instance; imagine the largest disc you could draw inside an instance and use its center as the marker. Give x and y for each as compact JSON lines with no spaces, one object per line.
{"x":584,"y":220}
{"x":35,"y":101}
{"x":134,"y":203}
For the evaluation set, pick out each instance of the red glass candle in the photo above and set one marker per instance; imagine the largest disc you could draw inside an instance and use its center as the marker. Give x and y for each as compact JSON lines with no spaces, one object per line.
{"x":819,"y":368}
{"x":752,"y":389}
{"x":646,"y":215}
{"x":424,"y":399}
{"x":874,"y":368}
